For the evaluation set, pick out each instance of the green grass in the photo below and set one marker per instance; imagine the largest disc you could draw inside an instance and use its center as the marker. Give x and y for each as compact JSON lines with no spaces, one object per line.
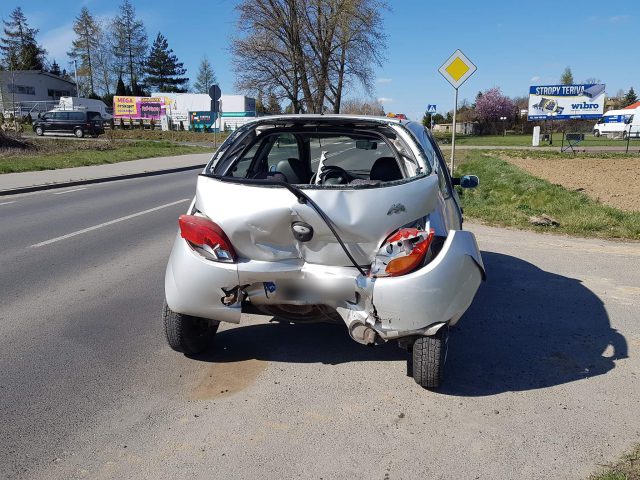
{"x":508,"y":196}
{"x":555,"y":154}
{"x":53,"y":154}
{"x":525,"y":141}
{"x":627,"y":468}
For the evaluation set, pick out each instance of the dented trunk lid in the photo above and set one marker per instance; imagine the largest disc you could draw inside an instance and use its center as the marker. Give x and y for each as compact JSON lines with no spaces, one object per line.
{"x":258,"y":219}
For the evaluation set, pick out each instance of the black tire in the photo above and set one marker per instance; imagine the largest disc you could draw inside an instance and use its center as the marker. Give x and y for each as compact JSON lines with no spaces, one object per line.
{"x":596,"y":133}
{"x":187,"y":334}
{"x":624,"y":135}
{"x":39,"y":131}
{"x":78,"y":132}
{"x":428,"y":358}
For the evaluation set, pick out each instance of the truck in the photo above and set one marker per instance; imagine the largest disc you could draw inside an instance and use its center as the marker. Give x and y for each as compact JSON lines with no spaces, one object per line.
{"x":625,"y":122}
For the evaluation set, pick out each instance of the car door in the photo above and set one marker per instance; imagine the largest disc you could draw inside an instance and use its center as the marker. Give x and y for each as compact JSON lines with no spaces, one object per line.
{"x":60,"y":121}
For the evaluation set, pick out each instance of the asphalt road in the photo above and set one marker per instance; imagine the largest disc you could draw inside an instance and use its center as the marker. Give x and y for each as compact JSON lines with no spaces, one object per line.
{"x":542,"y":374}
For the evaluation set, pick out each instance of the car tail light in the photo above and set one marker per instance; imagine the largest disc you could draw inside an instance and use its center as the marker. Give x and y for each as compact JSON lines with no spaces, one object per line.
{"x":403,"y":252}
{"x":205,"y":234}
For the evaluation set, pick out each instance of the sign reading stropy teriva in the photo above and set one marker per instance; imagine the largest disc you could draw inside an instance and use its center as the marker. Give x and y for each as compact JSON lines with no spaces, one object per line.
{"x":564,"y":102}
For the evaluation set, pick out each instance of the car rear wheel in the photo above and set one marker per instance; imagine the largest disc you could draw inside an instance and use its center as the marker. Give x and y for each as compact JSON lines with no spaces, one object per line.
{"x":428,"y":357}
{"x":79,"y":132}
{"x":624,"y":135}
{"x":39,"y":131}
{"x":187,"y":334}
{"x":596,"y":133}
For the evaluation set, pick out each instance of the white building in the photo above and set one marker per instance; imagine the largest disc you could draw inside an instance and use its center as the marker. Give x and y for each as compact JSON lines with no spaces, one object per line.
{"x":32,"y":91}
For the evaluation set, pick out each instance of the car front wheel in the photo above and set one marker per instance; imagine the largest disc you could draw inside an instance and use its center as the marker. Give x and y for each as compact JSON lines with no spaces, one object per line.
{"x":187,"y":334}
{"x":79,"y":132}
{"x":39,"y":131}
{"x":428,"y":358}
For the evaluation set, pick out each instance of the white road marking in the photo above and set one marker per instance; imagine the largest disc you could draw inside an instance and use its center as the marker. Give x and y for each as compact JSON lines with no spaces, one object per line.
{"x":7,"y":203}
{"x":69,"y":191}
{"x":111,"y":222}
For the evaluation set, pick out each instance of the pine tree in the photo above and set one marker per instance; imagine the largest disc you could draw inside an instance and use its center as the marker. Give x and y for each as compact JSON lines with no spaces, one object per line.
{"x":19,"y":48}
{"x":130,"y":42}
{"x":205,"y":78}
{"x":55,"y":68}
{"x":567,"y":77}
{"x":85,"y":44}
{"x":630,"y":97}
{"x":121,"y":90}
{"x":164,"y":71}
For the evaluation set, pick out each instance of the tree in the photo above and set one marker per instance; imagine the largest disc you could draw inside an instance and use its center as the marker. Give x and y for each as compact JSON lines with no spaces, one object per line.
{"x":205,"y":78}
{"x":567,"y":77}
{"x":273,"y":104}
{"x":307,"y":51}
{"x":130,"y":42}
{"x":164,"y":71}
{"x":85,"y":45}
{"x":121,"y":90}
{"x":358,"y":106}
{"x":630,"y":97}
{"x":493,"y":105}
{"x":20,"y":50}
{"x":55,"y":68}
{"x":105,"y":71}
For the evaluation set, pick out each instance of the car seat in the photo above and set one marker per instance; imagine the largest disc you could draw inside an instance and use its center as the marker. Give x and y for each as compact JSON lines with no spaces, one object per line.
{"x":385,"y":169}
{"x":295,"y":170}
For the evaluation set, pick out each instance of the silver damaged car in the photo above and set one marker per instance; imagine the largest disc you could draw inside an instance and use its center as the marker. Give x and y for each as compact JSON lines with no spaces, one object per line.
{"x":333,"y":218}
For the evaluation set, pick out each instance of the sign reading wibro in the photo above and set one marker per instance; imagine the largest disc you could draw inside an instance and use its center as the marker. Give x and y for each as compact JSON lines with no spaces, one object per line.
{"x":564,"y":102}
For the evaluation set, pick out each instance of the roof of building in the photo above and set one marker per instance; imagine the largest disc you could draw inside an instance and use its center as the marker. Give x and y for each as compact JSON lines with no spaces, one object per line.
{"x":632,"y":106}
{"x":41,"y":72}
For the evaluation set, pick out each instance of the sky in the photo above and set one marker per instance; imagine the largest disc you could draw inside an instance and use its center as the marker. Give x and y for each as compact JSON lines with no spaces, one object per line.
{"x":514,"y":43}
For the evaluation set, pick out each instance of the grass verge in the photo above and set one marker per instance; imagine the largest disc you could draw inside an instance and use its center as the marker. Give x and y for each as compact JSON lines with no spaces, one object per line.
{"x":525,"y":141}
{"x":627,"y":468}
{"x":508,"y":196}
{"x":54,"y":154}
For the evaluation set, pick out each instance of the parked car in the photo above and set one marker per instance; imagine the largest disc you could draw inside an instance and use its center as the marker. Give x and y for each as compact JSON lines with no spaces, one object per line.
{"x":326,"y":218}
{"x":78,"y":122}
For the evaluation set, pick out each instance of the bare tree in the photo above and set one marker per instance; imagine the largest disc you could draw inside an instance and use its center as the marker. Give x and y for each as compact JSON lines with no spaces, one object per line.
{"x":307,"y":51}
{"x":130,"y":43}
{"x":357,"y":106}
{"x":84,"y":46}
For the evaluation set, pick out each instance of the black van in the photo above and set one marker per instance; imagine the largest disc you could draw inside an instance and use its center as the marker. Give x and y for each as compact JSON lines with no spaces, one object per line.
{"x":79,"y":122}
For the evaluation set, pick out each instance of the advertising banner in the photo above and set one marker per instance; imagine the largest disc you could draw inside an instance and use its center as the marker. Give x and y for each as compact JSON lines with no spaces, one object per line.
{"x":202,"y":120}
{"x":139,"y":107}
{"x":565,"y":102}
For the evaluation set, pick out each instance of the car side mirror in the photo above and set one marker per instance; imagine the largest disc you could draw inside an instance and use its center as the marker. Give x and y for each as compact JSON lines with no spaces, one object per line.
{"x":467,"y":181}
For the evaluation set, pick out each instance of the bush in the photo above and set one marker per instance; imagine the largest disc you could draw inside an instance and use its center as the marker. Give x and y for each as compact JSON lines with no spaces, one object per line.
{"x":27,"y":120}
{"x":130,"y":123}
{"x":141,"y":124}
{"x":152,"y":124}
{"x":181,"y":128}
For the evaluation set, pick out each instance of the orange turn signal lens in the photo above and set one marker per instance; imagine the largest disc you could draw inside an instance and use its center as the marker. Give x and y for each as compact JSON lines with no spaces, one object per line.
{"x":400,"y":266}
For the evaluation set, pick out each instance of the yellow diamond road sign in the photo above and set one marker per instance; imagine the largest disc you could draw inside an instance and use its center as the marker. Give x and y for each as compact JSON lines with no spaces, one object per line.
{"x":457,"y":69}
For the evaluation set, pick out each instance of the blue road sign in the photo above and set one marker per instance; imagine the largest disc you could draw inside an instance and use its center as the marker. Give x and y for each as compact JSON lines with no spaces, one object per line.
{"x":431,"y":108}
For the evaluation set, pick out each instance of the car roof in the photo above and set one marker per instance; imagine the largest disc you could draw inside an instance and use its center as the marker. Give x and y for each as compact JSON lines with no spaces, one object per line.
{"x":328,"y":119}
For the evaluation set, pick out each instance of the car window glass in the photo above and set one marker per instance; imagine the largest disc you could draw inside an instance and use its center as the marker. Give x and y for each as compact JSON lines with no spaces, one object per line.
{"x":241,"y":168}
{"x":77,"y":116}
{"x":343,"y":152}
{"x":93,"y":115}
{"x":284,"y":146}
{"x":61,"y":116}
{"x":444,"y":180}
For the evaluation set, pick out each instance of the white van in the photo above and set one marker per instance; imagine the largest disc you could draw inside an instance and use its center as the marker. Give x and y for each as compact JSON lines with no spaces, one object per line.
{"x":624,"y":122}
{"x":75,"y":103}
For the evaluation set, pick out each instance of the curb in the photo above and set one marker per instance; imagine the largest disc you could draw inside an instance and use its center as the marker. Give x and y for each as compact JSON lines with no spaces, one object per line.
{"x":73,"y":183}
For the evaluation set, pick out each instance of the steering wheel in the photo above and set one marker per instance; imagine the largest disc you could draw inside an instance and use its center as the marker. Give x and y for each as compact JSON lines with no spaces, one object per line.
{"x":334,"y":175}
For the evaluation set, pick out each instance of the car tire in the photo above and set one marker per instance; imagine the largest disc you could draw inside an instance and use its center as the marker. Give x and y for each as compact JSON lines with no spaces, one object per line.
{"x":78,"y":132}
{"x":624,"y":135}
{"x":428,"y":356}
{"x":187,"y":334}
{"x":39,"y":131}
{"x":596,"y":133}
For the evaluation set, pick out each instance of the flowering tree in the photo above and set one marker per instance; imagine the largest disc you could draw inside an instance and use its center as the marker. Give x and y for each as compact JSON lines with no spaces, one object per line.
{"x":492,"y":105}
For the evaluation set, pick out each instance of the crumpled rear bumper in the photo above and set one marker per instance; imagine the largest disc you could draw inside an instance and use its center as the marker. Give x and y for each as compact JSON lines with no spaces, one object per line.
{"x":439,"y":292}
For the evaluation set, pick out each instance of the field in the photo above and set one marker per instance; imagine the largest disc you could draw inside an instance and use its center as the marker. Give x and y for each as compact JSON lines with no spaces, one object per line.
{"x":47,"y":154}
{"x":525,"y":141}
{"x":562,"y":188}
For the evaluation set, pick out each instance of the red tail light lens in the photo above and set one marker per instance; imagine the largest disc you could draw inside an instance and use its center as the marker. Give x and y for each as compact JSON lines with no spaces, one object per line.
{"x":403,"y":252}
{"x":202,"y":232}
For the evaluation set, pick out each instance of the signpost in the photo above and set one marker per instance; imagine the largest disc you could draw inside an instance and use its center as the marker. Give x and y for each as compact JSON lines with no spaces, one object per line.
{"x":214,"y":94}
{"x":431,"y":110}
{"x":456,"y":70}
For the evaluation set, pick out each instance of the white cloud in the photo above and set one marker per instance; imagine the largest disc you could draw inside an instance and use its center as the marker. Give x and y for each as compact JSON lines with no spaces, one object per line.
{"x":57,"y":42}
{"x":535,"y":79}
{"x":384,"y":80}
{"x":385,"y":100}
{"x":619,"y":18}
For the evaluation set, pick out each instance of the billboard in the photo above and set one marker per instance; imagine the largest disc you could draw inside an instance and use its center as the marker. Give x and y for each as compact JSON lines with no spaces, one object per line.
{"x":139,"y":107}
{"x":564,"y":102}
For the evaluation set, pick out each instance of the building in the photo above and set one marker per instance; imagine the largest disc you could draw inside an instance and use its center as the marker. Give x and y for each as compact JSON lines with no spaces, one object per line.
{"x":32,"y":91}
{"x":463,"y":128}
